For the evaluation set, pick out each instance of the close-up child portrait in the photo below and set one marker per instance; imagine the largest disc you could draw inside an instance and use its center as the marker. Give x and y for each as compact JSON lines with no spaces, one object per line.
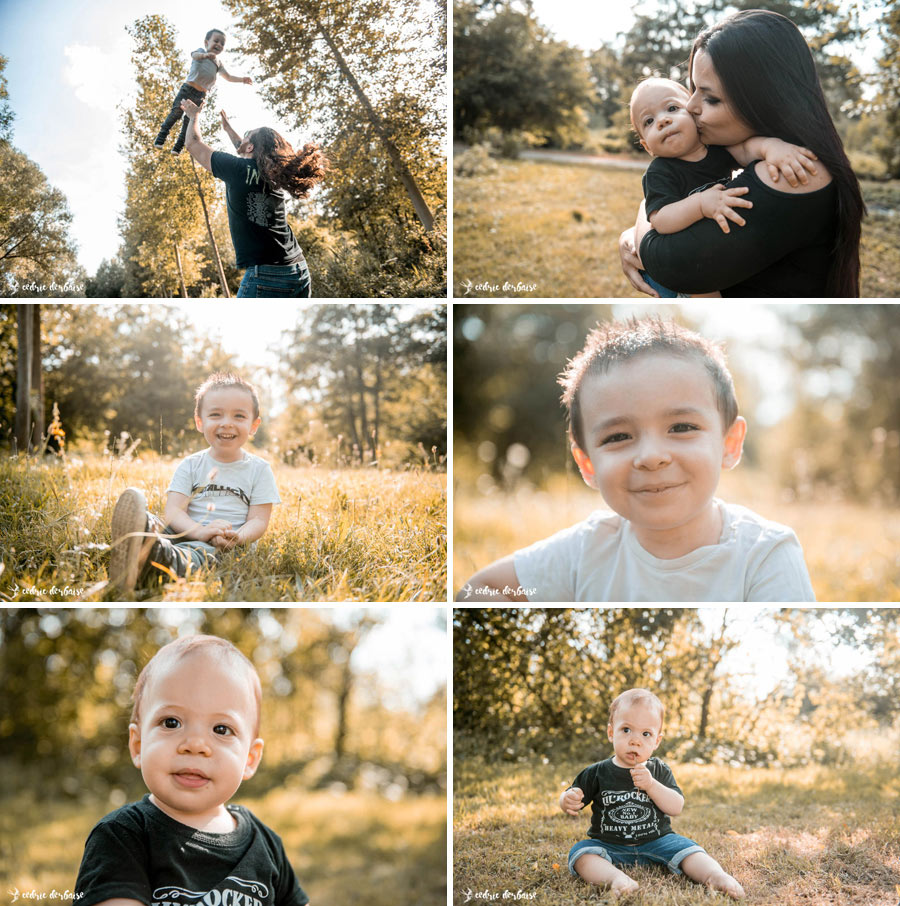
{"x":654,"y":422}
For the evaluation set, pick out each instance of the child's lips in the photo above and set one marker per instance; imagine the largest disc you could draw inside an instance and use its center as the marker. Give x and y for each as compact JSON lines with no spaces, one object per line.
{"x":191,"y":779}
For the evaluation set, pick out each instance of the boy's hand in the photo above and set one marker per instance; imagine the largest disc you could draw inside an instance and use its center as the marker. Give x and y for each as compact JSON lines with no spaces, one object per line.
{"x":641,"y":777}
{"x":211,"y":529}
{"x":572,"y":801}
{"x":225,"y":540}
{"x":791,"y":160}
{"x":718,"y":203}
{"x":247,"y":80}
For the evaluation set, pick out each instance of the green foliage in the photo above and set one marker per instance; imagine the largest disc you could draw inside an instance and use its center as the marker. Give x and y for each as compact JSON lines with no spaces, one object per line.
{"x":510,"y":73}
{"x":36,"y":249}
{"x":6,"y":113}
{"x":888,"y":100}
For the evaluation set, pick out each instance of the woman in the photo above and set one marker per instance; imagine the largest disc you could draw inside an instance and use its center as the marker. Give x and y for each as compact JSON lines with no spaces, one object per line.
{"x":255,"y":184}
{"x":753,"y":74}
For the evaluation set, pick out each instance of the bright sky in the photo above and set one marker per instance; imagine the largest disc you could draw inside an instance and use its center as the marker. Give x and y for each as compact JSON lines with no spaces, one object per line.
{"x":70,"y":67}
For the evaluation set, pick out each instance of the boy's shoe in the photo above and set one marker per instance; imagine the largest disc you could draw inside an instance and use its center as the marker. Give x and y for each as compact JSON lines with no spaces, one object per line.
{"x":159,"y":144}
{"x":128,"y":557}
{"x":177,"y":149}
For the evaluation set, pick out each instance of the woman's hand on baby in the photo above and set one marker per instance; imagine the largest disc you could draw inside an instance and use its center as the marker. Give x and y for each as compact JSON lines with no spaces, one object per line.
{"x":791,"y":160}
{"x":572,"y":801}
{"x":641,"y":777}
{"x":631,"y":263}
{"x":718,"y":203}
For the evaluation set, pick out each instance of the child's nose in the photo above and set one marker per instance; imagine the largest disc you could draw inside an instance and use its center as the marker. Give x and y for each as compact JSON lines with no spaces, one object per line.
{"x":651,"y":454}
{"x":193,"y":743}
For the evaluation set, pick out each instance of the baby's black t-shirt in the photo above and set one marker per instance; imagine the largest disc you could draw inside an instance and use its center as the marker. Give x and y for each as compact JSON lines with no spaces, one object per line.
{"x":621,"y":813}
{"x":669,"y":179}
{"x":139,"y":852}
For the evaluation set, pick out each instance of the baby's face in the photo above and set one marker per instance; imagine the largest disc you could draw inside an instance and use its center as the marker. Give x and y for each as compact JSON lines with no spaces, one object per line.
{"x":195,"y":741}
{"x":655,"y":444}
{"x":659,"y":113}
{"x":226,"y":421}
{"x":635,"y":733}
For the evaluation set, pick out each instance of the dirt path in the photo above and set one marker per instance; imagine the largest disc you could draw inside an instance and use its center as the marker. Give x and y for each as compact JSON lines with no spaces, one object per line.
{"x":577,"y":157}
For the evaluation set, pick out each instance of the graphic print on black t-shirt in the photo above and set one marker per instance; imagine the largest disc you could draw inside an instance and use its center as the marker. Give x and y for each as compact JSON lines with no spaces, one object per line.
{"x":629,"y":815}
{"x":233,"y":891}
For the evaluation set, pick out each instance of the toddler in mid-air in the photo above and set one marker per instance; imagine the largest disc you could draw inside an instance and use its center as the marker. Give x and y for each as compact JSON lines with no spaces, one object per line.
{"x":205,"y":66}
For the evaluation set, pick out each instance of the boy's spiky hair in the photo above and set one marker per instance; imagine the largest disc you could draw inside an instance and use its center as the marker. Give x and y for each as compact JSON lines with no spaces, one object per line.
{"x":223,"y":380}
{"x":634,"y":697}
{"x":184,"y":646}
{"x":618,"y":341}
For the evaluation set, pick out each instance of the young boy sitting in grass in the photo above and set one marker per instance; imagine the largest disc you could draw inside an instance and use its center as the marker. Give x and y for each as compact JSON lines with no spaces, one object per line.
{"x":632,"y":798}
{"x":194,"y":736}
{"x":218,"y":498}
{"x":684,"y":182}
{"x":653,"y":420}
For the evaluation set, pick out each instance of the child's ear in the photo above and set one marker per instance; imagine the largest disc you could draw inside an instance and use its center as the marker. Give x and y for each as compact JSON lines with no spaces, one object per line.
{"x":253,"y":758}
{"x":255,"y":426}
{"x":585,"y":466}
{"x":734,"y":443}
{"x":134,"y":744}
{"x":198,"y":423}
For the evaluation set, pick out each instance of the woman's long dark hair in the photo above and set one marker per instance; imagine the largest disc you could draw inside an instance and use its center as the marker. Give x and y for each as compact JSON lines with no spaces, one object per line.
{"x":283,"y":168}
{"x":767,"y":71}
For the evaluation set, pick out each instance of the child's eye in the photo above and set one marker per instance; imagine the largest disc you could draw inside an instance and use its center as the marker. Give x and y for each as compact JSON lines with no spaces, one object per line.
{"x":648,"y":121}
{"x":171,"y":723}
{"x":614,"y":438}
{"x":683,"y":428}
{"x":673,"y":108}
{"x":223,"y":730}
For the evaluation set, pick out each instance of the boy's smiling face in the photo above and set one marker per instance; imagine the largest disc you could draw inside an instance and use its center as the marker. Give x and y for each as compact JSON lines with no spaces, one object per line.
{"x":635,"y":732}
{"x":216,"y":43}
{"x":195,"y":741}
{"x":656,"y":447}
{"x":226,"y":421}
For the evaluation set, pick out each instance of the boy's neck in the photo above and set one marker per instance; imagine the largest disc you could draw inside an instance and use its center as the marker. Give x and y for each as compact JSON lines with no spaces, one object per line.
{"x":702,"y":530}
{"x":220,"y":821}
{"x":239,"y":455}
{"x":699,"y":153}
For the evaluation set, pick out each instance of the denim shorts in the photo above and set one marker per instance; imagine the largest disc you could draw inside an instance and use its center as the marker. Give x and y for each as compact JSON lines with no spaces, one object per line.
{"x":276,"y":281}
{"x":668,"y":850}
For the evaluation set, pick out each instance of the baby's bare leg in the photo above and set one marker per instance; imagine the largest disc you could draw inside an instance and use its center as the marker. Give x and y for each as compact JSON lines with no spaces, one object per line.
{"x":705,"y":870}
{"x":597,"y":870}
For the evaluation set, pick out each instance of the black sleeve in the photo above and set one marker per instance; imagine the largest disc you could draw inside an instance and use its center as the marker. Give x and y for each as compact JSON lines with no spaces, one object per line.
{"x":289,"y":891}
{"x":703,"y":259}
{"x":227,"y":166}
{"x":586,"y":781}
{"x":663,"y":773}
{"x":114,"y":864}
{"x":661,"y":186}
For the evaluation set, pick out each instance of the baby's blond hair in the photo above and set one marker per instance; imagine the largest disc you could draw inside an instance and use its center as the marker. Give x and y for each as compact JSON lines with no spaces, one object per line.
{"x":637,"y":697}
{"x":182,"y":647}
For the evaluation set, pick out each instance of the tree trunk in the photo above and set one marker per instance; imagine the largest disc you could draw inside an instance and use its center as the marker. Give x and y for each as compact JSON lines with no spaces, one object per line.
{"x":37,"y":377}
{"x":180,"y":271}
{"x":212,"y":239}
{"x":423,"y":212}
{"x":25,"y":322}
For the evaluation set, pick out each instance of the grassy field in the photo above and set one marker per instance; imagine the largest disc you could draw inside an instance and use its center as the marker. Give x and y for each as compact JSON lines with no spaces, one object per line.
{"x":850,"y":550}
{"x":555,"y":228}
{"x":798,"y":837}
{"x":338,"y":535}
{"x":341,"y":847}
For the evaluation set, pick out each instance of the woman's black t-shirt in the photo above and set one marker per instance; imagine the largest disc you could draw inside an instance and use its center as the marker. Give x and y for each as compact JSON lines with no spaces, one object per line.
{"x":140,"y":853}
{"x":621,"y":813}
{"x":256,"y":215}
{"x":784,"y":249}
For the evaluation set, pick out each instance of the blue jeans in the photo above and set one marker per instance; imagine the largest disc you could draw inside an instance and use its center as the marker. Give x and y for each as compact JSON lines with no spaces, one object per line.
{"x":663,"y":292}
{"x":176,"y":114}
{"x":276,"y":281}
{"x":669,"y":850}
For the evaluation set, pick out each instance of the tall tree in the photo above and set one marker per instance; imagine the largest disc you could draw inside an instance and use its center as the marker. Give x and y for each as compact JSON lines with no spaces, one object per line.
{"x":319,"y":53}
{"x":888,"y":143}
{"x":151,"y":241}
{"x":29,"y":379}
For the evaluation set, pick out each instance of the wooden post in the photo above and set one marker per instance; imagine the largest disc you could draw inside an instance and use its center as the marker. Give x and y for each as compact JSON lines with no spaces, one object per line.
{"x":212,"y":238}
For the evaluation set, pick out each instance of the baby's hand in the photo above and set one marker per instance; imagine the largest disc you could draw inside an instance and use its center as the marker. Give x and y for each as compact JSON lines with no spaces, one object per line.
{"x":572,"y":801}
{"x":641,"y":777}
{"x":792,"y":160}
{"x":718,"y":203}
{"x":225,"y":540}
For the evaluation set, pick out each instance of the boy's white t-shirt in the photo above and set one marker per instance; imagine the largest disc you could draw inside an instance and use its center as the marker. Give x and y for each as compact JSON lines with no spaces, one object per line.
{"x":600,"y":559}
{"x":231,"y":487}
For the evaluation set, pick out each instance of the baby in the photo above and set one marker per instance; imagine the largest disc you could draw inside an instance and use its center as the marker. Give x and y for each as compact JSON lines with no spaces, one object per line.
{"x":194,"y":735}
{"x":653,"y":422}
{"x":218,"y":498}
{"x":684,"y":182}
{"x":633,"y":797}
{"x":205,"y":66}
